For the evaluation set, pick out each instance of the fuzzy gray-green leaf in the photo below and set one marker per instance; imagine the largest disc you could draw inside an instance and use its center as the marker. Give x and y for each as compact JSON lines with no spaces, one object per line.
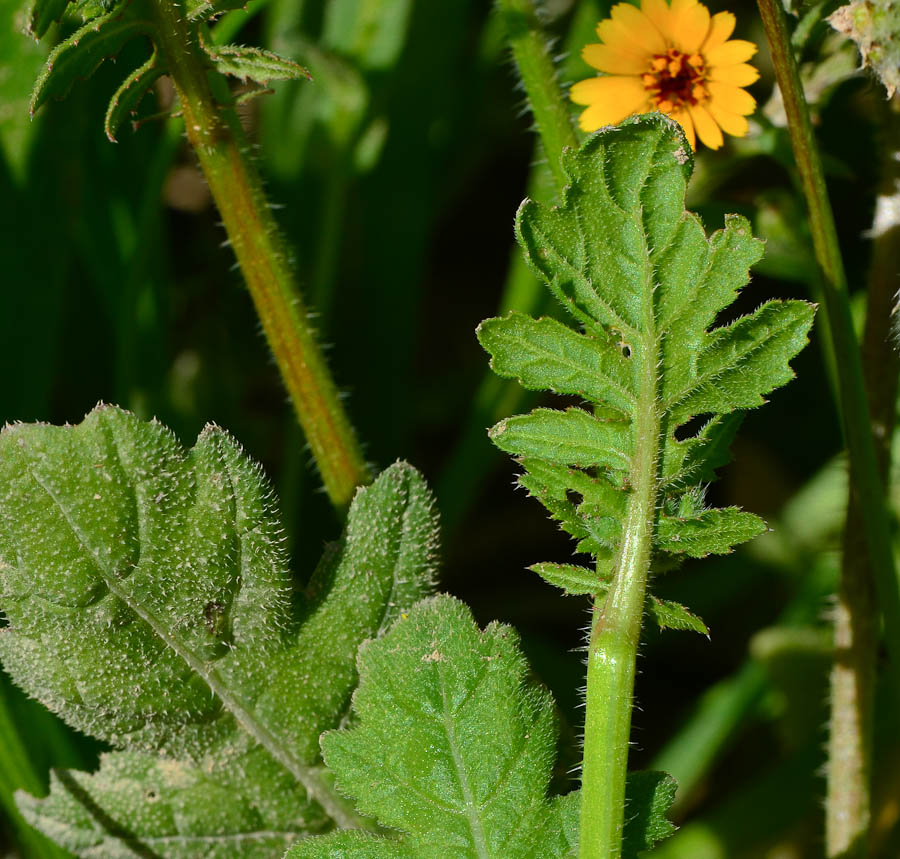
{"x":238,"y":805}
{"x":461,"y":748}
{"x":128,"y":96}
{"x":385,"y":564}
{"x":149,"y":603}
{"x":80,"y":55}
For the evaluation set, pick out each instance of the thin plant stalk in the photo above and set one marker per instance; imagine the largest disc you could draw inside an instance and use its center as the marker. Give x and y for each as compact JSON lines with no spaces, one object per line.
{"x":848,"y":799}
{"x":551,"y":112}
{"x":616,"y":621}
{"x":855,"y":416}
{"x":222,"y":148}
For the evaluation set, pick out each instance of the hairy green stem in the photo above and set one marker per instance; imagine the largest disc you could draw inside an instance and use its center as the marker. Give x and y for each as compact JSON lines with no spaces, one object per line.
{"x":851,"y":390}
{"x":848,"y":800}
{"x":616,"y":626}
{"x":221,"y":146}
{"x":530,"y":50}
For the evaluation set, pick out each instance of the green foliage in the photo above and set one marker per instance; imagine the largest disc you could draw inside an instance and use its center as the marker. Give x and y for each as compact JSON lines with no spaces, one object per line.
{"x":620,"y":236}
{"x":462,"y":749}
{"x":109,"y":26}
{"x":149,"y":604}
{"x":254,"y":64}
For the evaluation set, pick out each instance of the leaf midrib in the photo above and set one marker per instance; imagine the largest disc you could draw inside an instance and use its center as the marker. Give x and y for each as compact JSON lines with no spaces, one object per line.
{"x":309,"y":778}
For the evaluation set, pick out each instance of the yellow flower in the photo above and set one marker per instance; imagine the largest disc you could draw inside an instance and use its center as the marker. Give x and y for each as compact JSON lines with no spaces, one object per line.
{"x":675,"y":59}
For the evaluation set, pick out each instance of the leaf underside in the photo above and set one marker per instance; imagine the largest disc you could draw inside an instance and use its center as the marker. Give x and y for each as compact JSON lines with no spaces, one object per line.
{"x":621,"y":231}
{"x":149,"y":604}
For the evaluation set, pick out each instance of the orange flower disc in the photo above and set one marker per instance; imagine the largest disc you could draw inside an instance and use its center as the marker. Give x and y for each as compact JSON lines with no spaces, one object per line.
{"x":677,"y":60}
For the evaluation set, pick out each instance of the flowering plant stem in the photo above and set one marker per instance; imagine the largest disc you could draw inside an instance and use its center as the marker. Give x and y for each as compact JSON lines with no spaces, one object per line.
{"x":616,"y":621}
{"x":847,"y":811}
{"x":551,"y":114}
{"x":216,"y":135}
{"x":613,"y":645}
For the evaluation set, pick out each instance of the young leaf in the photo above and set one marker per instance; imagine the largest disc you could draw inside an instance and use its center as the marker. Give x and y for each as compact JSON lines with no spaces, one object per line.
{"x":80,"y":55}
{"x":639,"y":274}
{"x":254,"y":64}
{"x":649,"y":795}
{"x":138,"y":579}
{"x":40,"y":14}
{"x":128,"y":96}
{"x":451,"y":749}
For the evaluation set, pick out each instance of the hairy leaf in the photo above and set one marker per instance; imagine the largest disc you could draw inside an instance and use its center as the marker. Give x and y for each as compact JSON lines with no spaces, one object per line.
{"x":127,"y":97}
{"x":80,"y":55}
{"x":572,"y":579}
{"x":646,"y":286}
{"x":672,"y":615}
{"x":235,"y":806}
{"x":451,"y":749}
{"x":546,"y":355}
{"x":149,"y":601}
{"x":649,"y":796}
{"x":40,"y":14}
{"x":254,"y":64}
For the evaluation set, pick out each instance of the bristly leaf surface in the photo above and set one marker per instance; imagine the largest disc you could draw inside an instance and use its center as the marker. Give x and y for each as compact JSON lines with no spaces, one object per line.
{"x":621,"y":240}
{"x":149,"y":604}
{"x":451,"y":748}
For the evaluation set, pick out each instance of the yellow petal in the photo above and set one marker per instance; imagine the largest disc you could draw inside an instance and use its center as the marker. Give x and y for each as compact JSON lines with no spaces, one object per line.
{"x":730,"y":53}
{"x":730,"y":122}
{"x":690,"y":25}
{"x":613,"y":61}
{"x":685,"y":122}
{"x":731,"y":98}
{"x":620,"y":37}
{"x":610,"y":100}
{"x":739,"y":75}
{"x":721,"y":26}
{"x":706,"y":127}
{"x":641,"y":30}
{"x":659,"y":13}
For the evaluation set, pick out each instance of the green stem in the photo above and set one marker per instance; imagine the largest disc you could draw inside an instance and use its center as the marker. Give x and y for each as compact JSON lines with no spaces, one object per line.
{"x":848,"y":800}
{"x":221,"y":146}
{"x":851,"y":389}
{"x":551,"y":113}
{"x":616,"y":628}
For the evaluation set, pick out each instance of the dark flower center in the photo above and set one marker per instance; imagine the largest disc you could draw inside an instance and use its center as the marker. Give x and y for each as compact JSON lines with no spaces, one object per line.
{"x":675,"y":80}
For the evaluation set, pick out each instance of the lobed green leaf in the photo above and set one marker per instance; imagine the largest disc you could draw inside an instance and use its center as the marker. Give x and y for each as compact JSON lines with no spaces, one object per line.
{"x":713,"y":532}
{"x":138,"y":578}
{"x":647,"y":285}
{"x":254,"y":64}
{"x":544,"y":354}
{"x":127,"y":97}
{"x":461,"y":747}
{"x":239,"y":805}
{"x":79,"y":56}
{"x":41,"y":14}
{"x":573,"y":437}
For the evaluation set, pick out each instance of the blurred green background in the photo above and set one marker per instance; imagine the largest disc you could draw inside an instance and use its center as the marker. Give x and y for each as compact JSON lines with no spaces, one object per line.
{"x":397,"y":173}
